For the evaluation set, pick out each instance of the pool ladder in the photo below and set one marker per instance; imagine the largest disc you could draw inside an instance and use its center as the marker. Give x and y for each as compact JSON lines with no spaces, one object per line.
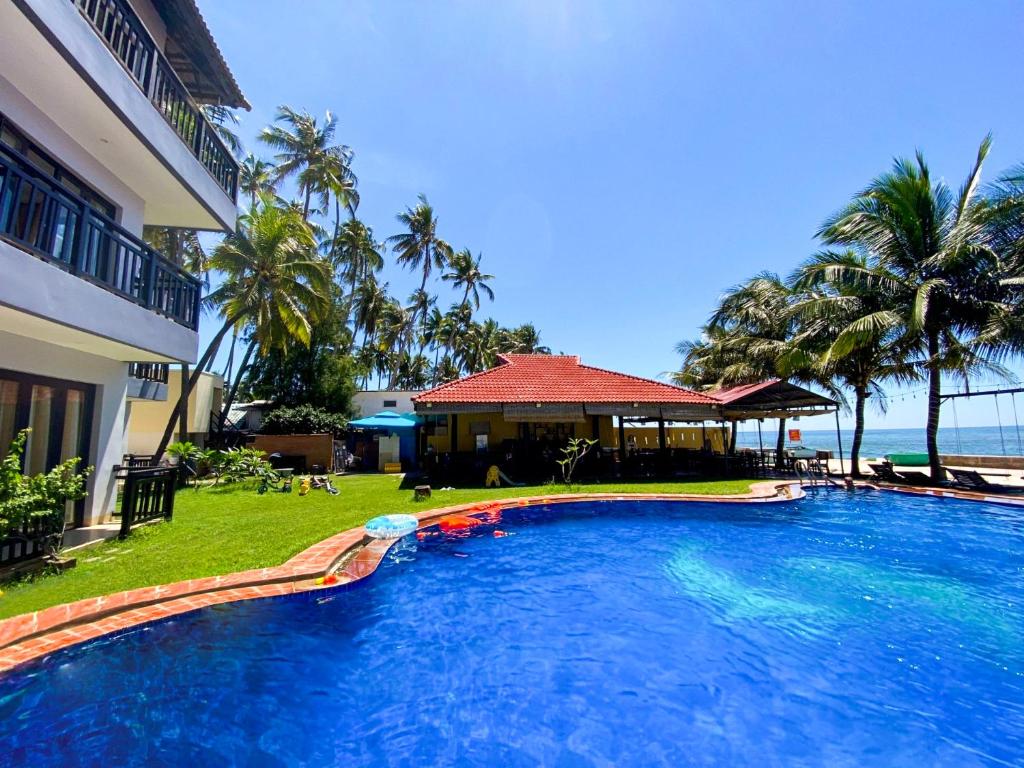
{"x":812,"y":479}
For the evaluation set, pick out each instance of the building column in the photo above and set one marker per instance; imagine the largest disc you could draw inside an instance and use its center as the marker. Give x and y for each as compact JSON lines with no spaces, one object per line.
{"x":453,"y":433}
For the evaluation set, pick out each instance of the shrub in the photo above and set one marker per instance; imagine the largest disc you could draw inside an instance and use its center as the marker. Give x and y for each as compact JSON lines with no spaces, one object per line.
{"x":303,"y":420}
{"x":25,"y":499}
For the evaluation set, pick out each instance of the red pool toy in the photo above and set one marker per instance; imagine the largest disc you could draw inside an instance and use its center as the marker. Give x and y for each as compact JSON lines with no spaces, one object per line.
{"x":457,"y":523}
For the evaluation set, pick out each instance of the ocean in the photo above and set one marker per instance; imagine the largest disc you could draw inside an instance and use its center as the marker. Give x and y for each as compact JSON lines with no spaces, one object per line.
{"x":982,"y":441}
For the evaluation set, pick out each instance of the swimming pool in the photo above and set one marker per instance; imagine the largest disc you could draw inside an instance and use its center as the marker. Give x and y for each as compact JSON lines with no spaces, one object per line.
{"x":843,"y":629}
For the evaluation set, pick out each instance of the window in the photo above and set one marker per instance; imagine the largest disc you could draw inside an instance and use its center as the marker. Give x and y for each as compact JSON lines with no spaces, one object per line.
{"x":13,"y":138}
{"x":390,"y":403}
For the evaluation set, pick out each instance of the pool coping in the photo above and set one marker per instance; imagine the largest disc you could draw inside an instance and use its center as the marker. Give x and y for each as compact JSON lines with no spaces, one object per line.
{"x":349,"y":555}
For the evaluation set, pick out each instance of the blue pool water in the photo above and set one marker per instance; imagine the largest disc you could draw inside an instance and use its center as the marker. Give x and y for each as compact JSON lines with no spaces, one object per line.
{"x":841,"y":630}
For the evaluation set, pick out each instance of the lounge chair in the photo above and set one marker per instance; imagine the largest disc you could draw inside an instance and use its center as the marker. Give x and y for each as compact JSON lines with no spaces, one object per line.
{"x":887,"y":474}
{"x":970,"y":480}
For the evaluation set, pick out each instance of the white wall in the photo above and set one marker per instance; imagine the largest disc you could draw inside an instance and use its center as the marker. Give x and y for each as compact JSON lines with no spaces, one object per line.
{"x":53,"y":305}
{"x":65,"y":150}
{"x":109,"y":412}
{"x":51,"y":54}
{"x":369,"y":403}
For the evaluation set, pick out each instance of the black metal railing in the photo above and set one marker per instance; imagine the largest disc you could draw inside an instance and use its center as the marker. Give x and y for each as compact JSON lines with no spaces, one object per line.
{"x":126,"y":36}
{"x":148,"y":494}
{"x":42,"y":217}
{"x":157,"y":372}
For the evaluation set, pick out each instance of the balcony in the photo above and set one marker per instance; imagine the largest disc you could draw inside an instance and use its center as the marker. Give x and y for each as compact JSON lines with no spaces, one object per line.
{"x":42,"y":218}
{"x":147,"y":381}
{"x":119,"y":27}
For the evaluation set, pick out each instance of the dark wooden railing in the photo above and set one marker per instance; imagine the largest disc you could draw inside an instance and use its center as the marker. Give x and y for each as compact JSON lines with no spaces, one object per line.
{"x":148,"y":494}
{"x":126,"y":36}
{"x":157,"y":372}
{"x":39,"y":215}
{"x":29,"y":542}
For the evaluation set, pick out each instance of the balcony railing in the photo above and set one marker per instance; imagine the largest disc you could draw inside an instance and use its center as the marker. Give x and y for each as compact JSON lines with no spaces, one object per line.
{"x":155,"y":372}
{"x":43,"y":218}
{"x":117,"y":24}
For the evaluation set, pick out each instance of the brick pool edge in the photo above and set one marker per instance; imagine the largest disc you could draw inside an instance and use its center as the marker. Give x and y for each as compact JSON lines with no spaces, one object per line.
{"x":351,"y":555}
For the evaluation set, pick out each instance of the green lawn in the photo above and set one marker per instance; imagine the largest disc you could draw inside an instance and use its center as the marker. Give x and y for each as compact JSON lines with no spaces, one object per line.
{"x":225,"y":529}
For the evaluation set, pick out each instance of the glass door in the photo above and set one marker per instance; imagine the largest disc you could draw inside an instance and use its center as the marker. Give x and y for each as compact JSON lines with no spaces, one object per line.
{"x":8,"y":414}
{"x":59,"y":414}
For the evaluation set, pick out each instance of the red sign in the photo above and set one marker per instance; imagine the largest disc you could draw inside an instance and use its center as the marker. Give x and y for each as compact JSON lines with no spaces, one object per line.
{"x":794,"y":435}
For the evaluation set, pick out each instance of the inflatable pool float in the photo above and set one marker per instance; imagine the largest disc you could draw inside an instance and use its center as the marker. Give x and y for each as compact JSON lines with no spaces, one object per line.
{"x":391,"y":526}
{"x":457,"y":523}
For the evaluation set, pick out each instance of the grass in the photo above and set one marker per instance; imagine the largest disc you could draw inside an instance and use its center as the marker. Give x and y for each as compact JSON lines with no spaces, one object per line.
{"x":221,"y":530}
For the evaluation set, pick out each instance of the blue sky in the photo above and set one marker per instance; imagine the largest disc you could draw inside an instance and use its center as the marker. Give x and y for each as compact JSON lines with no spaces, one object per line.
{"x":619,"y":164}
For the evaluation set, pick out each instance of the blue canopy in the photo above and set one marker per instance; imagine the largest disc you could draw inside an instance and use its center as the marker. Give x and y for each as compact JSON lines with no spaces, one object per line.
{"x":386,"y":420}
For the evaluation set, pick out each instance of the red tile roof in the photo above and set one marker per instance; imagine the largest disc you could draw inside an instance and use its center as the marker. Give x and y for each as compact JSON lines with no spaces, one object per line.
{"x":557,"y":379}
{"x":738,"y":392}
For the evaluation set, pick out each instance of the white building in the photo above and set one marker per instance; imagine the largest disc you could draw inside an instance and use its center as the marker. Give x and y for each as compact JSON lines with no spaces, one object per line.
{"x":375,"y":401}
{"x":100,"y":134}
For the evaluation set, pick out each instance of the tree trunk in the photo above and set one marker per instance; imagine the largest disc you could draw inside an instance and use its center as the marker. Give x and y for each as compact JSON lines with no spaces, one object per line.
{"x":210,"y":352}
{"x":780,"y":444}
{"x":934,"y":405}
{"x":861,"y":395}
{"x":235,"y":385}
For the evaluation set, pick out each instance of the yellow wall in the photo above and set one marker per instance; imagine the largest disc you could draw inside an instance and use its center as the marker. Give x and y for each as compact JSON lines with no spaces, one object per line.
{"x":675,"y":437}
{"x":148,"y":418}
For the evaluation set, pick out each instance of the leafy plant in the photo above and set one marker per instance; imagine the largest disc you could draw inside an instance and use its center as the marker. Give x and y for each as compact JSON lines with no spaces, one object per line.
{"x":237,"y":464}
{"x":39,"y":498}
{"x":183,"y":451}
{"x":303,"y":420}
{"x":574,"y":452}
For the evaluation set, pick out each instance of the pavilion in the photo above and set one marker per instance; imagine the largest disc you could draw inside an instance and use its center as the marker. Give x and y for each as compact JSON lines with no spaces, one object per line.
{"x":520,"y":413}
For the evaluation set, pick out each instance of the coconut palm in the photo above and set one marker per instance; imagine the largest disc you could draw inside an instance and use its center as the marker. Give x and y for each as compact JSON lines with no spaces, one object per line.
{"x":306,"y":151}
{"x":371,"y":299}
{"x":275,"y":284}
{"x":420,"y":304}
{"x":256,"y":178}
{"x":465,"y":273}
{"x":524,"y":339}
{"x":849,"y":332}
{"x":934,"y":254}
{"x":748,"y":334}
{"x":220,"y":117}
{"x":419,"y":246}
{"x":356,"y":257}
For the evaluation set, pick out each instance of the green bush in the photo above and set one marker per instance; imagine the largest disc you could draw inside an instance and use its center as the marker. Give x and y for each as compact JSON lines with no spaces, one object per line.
{"x":25,"y":499}
{"x":303,"y":420}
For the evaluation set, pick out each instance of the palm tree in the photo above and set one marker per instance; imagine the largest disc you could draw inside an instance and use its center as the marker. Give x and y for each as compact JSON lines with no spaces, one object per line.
{"x":749,"y":332}
{"x":435,"y":328}
{"x":465,"y":273}
{"x":419,"y":247}
{"x":934,"y":255}
{"x":220,"y":117}
{"x":356,"y":256}
{"x":525,"y":339}
{"x":256,"y":178}
{"x":848,"y":331}
{"x":274,"y":283}
{"x":305,"y":150}
{"x":478,"y":347}
{"x":370,"y":301}
{"x":181,"y":246}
